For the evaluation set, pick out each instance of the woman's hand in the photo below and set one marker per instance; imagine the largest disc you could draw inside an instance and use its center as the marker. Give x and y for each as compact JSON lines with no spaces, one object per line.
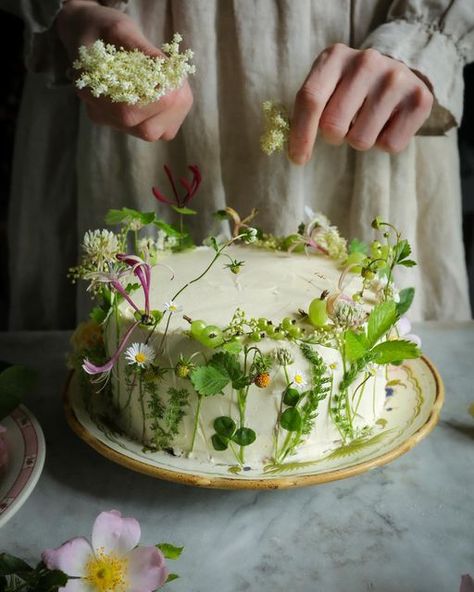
{"x":81,"y":22}
{"x":360,"y":97}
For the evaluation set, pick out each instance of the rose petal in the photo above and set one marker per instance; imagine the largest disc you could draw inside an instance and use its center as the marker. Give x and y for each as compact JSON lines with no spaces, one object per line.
{"x":71,"y":557}
{"x":113,"y":534}
{"x":146,"y":569}
{"x":77,"y":586}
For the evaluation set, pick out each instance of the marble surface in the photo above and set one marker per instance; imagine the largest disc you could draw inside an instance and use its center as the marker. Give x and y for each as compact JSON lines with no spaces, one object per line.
{"x":408,"y":526}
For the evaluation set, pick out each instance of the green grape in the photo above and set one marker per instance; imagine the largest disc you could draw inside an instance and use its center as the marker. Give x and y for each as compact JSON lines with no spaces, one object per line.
{"x":317,"y":312}
{"x":376,"y":249}
{"x":262,"y":323}
{"x":197,"y":328}
{"x":368,"y":274}
{"x":287,"y":323}
{"x":294,"y":332}
{"x":278,"y":334}
{"x":385,"y":251}
{"x":355,"y":259}
{"x":210,"y":336}
{"x":255,"y":336}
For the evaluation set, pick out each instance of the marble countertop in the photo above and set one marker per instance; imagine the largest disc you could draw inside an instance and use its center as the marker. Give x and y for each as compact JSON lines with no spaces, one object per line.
{"x":408,"y":526}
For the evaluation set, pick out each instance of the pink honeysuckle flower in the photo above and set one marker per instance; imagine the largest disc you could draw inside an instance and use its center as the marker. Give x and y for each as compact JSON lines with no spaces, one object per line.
{"x":403,"y":327}
{"x":106,"y":368}
{"x":142,"y":271}
{"x":190,"y":187}
{"x":113,"y":562}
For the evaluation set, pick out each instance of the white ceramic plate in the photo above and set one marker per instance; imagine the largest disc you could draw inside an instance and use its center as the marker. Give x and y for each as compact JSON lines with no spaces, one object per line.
{"x":414,"y":399}
{"x":26,"y":450}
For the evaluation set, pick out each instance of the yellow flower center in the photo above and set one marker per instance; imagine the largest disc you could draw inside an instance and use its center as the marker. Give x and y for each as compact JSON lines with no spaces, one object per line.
{"x":107,"y":573}
{"x":140,"y":357}
{"x":299,"y":379}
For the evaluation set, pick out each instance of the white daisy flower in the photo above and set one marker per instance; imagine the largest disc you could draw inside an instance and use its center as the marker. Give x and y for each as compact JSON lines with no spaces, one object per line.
{"x":140,"y":354}
{"x":171,"y":306}
{"x":299,"y":379}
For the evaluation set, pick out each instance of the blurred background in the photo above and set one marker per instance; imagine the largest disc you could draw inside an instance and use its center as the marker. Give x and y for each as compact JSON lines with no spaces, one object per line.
{"x":11,"y":46}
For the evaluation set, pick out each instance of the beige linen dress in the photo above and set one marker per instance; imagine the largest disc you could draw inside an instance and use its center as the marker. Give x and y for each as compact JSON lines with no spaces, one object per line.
{"x":68,"y":172}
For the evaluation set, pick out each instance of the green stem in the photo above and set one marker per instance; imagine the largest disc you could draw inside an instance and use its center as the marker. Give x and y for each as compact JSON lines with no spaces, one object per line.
{"x":361,"y":387}
{"x":135,"y":243}
{"x":142,"y":406}
{"x":196,"y":422}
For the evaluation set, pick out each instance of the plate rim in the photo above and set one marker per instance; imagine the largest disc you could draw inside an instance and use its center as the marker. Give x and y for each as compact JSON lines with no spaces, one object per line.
{"x":270,"y":483}
{"x":35,"y":474}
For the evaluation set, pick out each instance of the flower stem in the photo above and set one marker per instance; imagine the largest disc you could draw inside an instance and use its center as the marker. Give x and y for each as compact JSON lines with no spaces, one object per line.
{"x":196,"y":422}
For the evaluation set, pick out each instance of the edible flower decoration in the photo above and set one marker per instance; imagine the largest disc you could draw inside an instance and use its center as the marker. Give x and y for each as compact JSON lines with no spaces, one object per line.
{"x":180,"y":202}
{"x":142,"y":272}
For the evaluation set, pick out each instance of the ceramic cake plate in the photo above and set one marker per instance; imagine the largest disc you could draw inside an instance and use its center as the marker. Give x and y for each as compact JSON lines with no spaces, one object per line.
{"x":414,"y":397}
{"x":26,"y":452}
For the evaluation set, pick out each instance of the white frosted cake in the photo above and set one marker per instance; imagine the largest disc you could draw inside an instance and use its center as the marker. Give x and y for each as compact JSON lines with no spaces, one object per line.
{"x":241,"y":354}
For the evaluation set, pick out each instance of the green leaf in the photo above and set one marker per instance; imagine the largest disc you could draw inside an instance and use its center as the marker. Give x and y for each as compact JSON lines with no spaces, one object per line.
{"x":15,"y":382}
{"x":171,"y":577}
{"x":402,"y":250}
{"x":219,"y":442}
{"x":98,"y":315}
{"x":208,"y":380}
{"x":170,"y":551}
{"x":228,"y":364}
{"x":214,"y":244}
{"x":406,"y":298}
{"x":382,"y":317}
{"x":221,"y":215}
{"x":233,"y":347}
{"x":157,"y":315}
{"x":355,"y":345}
{"x":408,"y":263}
{"x":127,"y":215}
{"x":51,"y":581}
{"x":291,"y":419}
{"x":244,"y":437}
{"x":395,"y":350}
{"x":168,"y":228}
{"x":225,"y":426}
{"x":185,"y":211}
{"x":357,"y":246}
{"x":9,"y":564}
{"x":291,"y":396}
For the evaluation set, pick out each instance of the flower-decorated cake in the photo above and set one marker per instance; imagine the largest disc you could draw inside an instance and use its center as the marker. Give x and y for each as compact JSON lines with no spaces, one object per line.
{"x":245,"y":351}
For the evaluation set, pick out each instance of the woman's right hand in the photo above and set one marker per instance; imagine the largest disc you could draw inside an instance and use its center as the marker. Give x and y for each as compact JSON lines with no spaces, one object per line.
{"x":81,"y":22}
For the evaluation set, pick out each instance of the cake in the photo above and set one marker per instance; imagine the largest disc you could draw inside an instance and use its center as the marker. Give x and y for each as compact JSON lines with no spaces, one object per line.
{"x":247,"y":351}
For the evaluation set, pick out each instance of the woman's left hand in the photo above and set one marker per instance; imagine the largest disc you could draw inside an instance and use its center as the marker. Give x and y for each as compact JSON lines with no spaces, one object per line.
{"x":360,"y":97}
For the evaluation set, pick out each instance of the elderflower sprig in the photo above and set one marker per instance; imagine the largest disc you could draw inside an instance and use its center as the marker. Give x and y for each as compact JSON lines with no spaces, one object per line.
{"x":131,"y":76}
{"x":276,"y":128}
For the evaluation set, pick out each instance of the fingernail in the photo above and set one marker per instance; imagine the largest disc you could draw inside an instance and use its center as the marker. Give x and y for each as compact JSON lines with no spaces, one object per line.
{"x":298,"y":158}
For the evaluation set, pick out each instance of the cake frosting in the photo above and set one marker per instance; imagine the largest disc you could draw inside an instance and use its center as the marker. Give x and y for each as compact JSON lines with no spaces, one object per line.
{"x":274,"y":285}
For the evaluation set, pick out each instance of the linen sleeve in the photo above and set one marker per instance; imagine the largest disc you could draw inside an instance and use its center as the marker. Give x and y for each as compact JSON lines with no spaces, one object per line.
{"x":434,"y":38}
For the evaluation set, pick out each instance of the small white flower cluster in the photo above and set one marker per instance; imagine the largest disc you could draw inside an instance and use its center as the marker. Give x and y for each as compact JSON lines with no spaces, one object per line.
{"x":276,"y":128}
{"x":326,"y":235}
{"x":348,"y":314}
{"x":149,"y":247}
{"x":131,"y":76}
{"x":249,"y":235}
{"x":100,"y":244}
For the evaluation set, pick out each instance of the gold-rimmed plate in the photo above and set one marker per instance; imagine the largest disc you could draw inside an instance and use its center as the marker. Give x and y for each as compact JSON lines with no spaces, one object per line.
{"x":414,"y":397}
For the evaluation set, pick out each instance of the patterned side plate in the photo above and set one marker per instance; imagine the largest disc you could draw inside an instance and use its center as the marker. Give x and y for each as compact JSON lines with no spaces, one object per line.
{"x":415,"y":395}
{"x":26,"y":450}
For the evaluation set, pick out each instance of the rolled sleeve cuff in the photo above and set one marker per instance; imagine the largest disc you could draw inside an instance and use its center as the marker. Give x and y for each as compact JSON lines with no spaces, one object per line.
{"x":436,"y":57}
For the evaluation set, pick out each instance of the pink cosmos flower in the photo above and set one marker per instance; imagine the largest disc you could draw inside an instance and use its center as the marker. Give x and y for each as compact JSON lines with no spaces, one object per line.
{"x":190,"y":187}
{"x":113,"y":562}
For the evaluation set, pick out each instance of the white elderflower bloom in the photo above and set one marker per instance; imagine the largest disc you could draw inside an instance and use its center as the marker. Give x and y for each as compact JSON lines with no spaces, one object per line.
{"x":139,"y":354}
{"x":131,"y":76}
{"x":276,"y":127}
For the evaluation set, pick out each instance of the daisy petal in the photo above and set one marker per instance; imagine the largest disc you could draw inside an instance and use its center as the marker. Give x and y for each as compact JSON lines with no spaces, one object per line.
{"x":71,"y":557}
{"x":146,"y":569}
{"x":113,"y":534}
